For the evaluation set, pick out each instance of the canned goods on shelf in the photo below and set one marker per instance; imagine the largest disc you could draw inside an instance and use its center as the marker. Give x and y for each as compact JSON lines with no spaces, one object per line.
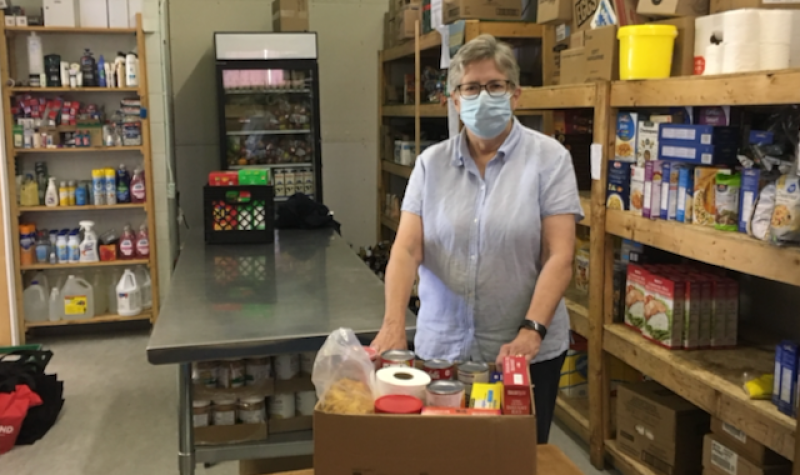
{"x":224,"y":412}
{"x":304,"y":403}
{"x":439,"y":369}
{"x":281,"y":406}
{"x":397,"y":358}
{"x":446,"y":394}
{"x":201,"y":413}
{"x":398,"y":404}
{"x":307,"y":362}
{"x":252,"y":410}
{"x":287,"y":366}
{"x":204,"y":373}
{"x":230,"y":373}
{"x":257,"y":370}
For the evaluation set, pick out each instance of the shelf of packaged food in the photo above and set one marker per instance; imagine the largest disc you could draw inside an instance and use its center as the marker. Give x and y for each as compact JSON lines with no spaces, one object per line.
{"x":70,"y":30}
{"x":740,"y":89}
{"x":396,"y":169}
{"x":269,"y":132}
{"x":578,"y":308}
{"x":573,"y":412}
{"x":712,"y":380}
{"x":89,"y":321}
{"x":269,"y":165}
{"x":406,"y":50}
{"x":15,"y":90}
{"x":269,"y":91}
{"x":624,"y":463}
{"x":279,"y":199}
{"x":586,"y":206}
{"x":133,"y":148}
{"x":425,"y":110}
{"x":571,"y":96}
{"x":80,"y":265}
{"x":389,"y":223}
{"x":735,"y":251}
{"x":38,"y":209}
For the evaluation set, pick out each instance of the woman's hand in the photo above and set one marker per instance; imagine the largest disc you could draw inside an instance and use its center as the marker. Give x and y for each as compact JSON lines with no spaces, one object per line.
{"x":526,"y":344}
{"x":391,"y":337}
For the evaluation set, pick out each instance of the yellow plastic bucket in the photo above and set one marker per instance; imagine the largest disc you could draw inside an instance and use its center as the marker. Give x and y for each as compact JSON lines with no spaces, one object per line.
{"x":645,"y":51}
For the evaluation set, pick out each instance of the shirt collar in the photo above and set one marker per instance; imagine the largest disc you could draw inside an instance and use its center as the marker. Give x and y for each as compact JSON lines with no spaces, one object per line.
{"x":505,"y":152}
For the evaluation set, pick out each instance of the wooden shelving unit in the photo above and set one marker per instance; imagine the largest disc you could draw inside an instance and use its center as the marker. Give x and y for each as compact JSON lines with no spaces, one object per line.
{"x":8,"y":71}
{"x":574,"y":413}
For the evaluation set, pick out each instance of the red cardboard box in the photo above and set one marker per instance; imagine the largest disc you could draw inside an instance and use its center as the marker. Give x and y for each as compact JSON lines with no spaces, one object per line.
{"x":516,"y":386}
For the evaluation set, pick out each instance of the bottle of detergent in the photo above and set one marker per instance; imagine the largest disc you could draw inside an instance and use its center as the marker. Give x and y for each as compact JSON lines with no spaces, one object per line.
{"x":111,"y":289}
{"x":127,"y":244}
{"x":142,"y":243}
{"x":78,"y":298}
{"x":101,"y":71}
{"x":123,"y":185}
{"x":132,"y":69}
{"x":129,"y":296}
{"x":88,"y":246}
{"x":51,"y":195}
{"x":89,"y":69}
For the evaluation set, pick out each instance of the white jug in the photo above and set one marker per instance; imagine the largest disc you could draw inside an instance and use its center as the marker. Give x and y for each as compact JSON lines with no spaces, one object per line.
{"x":78,"y":298}
{"x":56,"y":305}
{"x":35,"y":301}
{"x":129,"y":296}
{"x":111,"y":290}
{"x":145,"y":285}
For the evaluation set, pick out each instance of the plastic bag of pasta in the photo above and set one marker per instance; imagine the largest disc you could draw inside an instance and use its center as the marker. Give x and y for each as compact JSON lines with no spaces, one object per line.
{"x":344,"y":376}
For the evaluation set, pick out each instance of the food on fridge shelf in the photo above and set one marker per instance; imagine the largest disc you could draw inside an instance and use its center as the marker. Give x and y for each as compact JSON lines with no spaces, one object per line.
{"x":726,"y":201}
{"x":785,"y":222}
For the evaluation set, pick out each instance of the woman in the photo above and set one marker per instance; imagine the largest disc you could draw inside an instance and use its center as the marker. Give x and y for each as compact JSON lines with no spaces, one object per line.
{"x":488,"y":220}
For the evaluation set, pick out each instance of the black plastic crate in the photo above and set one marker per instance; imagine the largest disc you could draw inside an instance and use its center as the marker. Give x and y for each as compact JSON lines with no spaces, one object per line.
{"x":239,"y":214}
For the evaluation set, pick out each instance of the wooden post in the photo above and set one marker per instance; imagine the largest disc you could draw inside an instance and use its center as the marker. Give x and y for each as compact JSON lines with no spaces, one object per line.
{"x":379,"y":177}
{"x":417,"y":87}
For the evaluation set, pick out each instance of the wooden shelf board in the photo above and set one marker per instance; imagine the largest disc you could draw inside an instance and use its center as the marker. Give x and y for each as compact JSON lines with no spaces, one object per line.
{"x":571,"y":96}
{"x":389,"y":223}
{"x":730,"y":250}
{"x":21,"y":151}
{"x":578,"y":308}
{"x":586,"y":205}
{"x":511,"y":29}
{"x":573,"y":412}
{"x":712,"y":380}
{"x":623,"y":462}
{"x":88,"y":321}
{"x":396,"y":169}
{"x":80,"y":265}
{"x":32,"y":209}
{"x":14,"y":90}
{"x":775,"y":87}
{"x":405,"y":110}
{"x":71,"y":30}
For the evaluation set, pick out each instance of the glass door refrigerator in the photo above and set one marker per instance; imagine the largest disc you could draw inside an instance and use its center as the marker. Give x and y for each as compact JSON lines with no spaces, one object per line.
{"x":268,"y":102}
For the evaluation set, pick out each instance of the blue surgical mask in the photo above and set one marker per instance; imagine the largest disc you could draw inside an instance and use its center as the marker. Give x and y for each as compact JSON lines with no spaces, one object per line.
{"x":486,"y":116}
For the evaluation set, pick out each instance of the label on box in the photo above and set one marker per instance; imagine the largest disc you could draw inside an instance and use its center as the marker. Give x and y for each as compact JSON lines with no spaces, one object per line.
{"x":562,"y":32}
{"x":516,"y":386}
{"x":75,"y":305}
{"x":723,"y":458}
{"x":734,"y":432}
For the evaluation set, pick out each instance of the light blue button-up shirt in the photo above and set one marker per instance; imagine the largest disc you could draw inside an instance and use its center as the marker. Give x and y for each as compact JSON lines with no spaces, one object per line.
{"x":482,"y":242}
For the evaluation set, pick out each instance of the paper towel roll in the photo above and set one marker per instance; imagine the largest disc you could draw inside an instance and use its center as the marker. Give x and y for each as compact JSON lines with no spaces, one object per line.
{"x":737,"y":58}
{"x":708,"y":31}
{"x":741,"y":26}
{"x":775,"y":26}
{"x":774,"y":56}
{"x":402,"y":380}
{"x":713,"y":60}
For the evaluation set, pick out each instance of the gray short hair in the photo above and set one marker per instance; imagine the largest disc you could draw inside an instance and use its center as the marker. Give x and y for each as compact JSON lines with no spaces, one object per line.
{"x":483,"y":47}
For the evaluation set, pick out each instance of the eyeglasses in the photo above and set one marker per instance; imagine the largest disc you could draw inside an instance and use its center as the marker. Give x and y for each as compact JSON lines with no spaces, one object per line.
{"x":472,"y":90}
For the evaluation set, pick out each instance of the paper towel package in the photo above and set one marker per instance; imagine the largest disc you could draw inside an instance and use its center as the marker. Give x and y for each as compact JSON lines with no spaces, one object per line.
{"x":683,"y":52}
{"x":719,"y":6}
{"x":673,"y":8}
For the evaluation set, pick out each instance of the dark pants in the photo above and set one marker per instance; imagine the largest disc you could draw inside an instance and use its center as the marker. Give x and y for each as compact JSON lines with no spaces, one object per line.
{"x":545,"y":377}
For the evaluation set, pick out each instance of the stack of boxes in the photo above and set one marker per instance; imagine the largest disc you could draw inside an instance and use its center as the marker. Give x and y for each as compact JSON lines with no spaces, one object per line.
{"x":729,"y":451}
{"x":290,"y":15}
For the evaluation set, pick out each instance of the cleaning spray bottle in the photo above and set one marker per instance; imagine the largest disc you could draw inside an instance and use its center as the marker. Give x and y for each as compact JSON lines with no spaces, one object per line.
{"x":51,"y":195}
{"x":88,"y":246}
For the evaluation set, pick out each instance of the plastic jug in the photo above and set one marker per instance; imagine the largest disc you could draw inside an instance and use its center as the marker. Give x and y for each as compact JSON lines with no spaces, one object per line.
{"x":100,"y":297}
{"x":78,"y":299}
{"x":42,"y":279}
{"x":111,"y":290}
{"x":36,"y":304}
{"x":146,"y":286}
{"x":56,"y":305}
{"x":129,"y":296}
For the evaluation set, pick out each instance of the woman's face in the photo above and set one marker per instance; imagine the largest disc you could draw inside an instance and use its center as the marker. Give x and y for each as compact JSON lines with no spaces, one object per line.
{"x":481,"y":72}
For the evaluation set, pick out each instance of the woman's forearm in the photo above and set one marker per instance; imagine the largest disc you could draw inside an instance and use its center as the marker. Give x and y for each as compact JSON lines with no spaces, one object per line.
{"x":550,"y":287}
{"x":400,"y":275}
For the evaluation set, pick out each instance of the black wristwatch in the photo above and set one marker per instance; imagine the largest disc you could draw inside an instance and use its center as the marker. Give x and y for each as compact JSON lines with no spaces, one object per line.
{"x":535,"y":326}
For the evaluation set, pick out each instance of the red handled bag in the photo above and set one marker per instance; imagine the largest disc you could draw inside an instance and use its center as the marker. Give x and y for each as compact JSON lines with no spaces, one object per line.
{"x":13,"y":409}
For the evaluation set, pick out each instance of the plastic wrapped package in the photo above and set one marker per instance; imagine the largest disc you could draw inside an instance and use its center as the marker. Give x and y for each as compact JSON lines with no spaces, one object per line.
{"x":343,"y":375}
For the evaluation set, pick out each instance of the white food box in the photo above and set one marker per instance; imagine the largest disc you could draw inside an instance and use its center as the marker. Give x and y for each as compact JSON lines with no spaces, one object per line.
{"x":94,"y":13}
{"x":134,"y":7}
{"x":21,"y":20}
{"x":10,"y":20}
{"x":118,"y":14}
{"x":61,"y":13}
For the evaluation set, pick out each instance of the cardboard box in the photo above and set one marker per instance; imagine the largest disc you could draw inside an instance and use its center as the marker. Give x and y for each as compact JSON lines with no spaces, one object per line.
{"x":718,"y":6}
{"x":294,"y":424}
{"x":455,"y":10}
{"x":574,"y":372}
{"x":602,"y":54}
{"x":554,"y":12}
{"x":683,"y":52}
{"x":582,"y":13}
{"x":573,"y":66}
{"x":290,"y":15}
{"x":212,"y":435}
{"x":61,"y":13}
{"x":660,"y":429}
{"x":721,"y":459}
{"x":745,"y":446}
{"x":276,"y":465}
{"x":405,"y":22}
{"x":517,"y":386}
{"x":673,"y":8}
{"x":299,"y":383}
{"x":551,"y":57}
{"x":94,"y":13}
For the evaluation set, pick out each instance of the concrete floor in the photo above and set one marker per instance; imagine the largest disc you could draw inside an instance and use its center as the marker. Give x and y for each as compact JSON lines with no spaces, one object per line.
{"x":120,"y":415}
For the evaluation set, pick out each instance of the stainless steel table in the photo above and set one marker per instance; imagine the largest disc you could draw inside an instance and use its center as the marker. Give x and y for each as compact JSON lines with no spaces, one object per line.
{"x":254,"y":300}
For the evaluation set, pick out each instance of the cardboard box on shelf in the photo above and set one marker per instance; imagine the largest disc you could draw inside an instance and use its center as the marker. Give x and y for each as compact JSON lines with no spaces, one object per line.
{"x":454,"y":10}
{"x":673,"y":8}
{"x":293,"y":424}
{"x":573,"y":382}
{"x":582,"y":13}
{"x":576,"y":40}
{"x":601,"y":54}
{"x":719,"y":6}
{"x":275,"y":465}
{"x":745,"y":446}
{"x":398,"y":5}
{"x":573,"y":66}
{"x":720,"y":459}
{"x":551,"y":57}
{"x":405,"y":21}
{"x":554,"y":12}
{"x":683,"y":52}
{"x":290,"y":15}
{"x":212,"y":435}
{"x":660,"y":429}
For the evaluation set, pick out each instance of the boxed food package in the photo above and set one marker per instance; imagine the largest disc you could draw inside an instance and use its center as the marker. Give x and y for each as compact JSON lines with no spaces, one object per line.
{"x":659,"y":428}
{"x":723,"y":460}
{"x":696,"y":134}
{"x":724,"y":311}
{"x":746,"y":447}
{"x":619,"y":185}
{"x":454,"y":10}
{"x":290,"y":15}
{"x":786,"y":361}
{"x":751,"y":185}
{"x":703,"y":207}
{"x":673,"y":8}
{"x":636,"y":296}
{"x":574,"y":374}
{"x":669,"y":191}
{"x":516,"y":386}
{"x":551,"y":57}
{"x":719,"y":116}
{"x":692,"y":306}
{"x":664,"y":309}
{"x":683,"y":210}
{"x":626,"y":140}
{"x":405,"y":22}
{"x":683,"y":51}
{"x":554,"y":12}
{"x":653,"y":174}
{"x":637,"y":190}
{"x":647,"y":142}
{"x":573,"y":66}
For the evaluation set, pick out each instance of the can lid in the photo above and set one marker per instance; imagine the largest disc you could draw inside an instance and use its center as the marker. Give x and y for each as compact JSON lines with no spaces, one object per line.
{"x":201,"y":403}
{"x":252,"y":399}
{"x":224,"y":402}
{"x":398,"y":404}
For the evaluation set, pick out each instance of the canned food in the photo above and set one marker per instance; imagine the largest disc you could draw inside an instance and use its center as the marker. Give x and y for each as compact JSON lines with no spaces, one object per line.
{"x":204,"y":373}
{"x":439,"y":369}
{"x":201,"y":413}
{"x":304,"y":403}
{"x":257,"y":370}
{"x":287,"y":366}
{"x":230,"y":373}
{"x":472,"y":372}
{"x":398,"y":404}
{"x":252,"y":410}
{"x":445,"y":394}
{"x":307,"y":362}
{"x":397,"y":358}
{"x":281,"y":406}
{"x":224,"y":412}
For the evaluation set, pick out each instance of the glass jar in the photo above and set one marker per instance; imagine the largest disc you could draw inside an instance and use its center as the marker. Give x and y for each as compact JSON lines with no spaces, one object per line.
{"x":201,"y":413}
{"x":204,"y":373}
{"x":252,"y":410}
{"x":257,"y":370}
{"x":230,"y":373}
{"x":224,"y":412}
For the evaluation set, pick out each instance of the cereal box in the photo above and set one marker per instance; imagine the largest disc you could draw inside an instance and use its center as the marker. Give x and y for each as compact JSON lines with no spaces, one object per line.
{"x":704,"y":211}
{"x":664,"y":309}
{"x":684,"y":211}
{"x":625,"y":145}
{"x":637,"y":190}
{"x":652,"y":189}
{"x":635,"y":294}
{"x":619,"y":182}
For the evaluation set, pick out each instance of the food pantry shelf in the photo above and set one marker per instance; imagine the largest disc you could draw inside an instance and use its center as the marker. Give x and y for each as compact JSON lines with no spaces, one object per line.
{"x":269,"y":91}
{"x":269,"y":132}
{"x":396,"y":169}
{"x":623,"y":462}
{"x":71,"y":30}
{"x":573,"y":412}
{"x":779,"y":87}
{"x":425,"y":110}
{"x":14,"y":90}
{"x":31,"y":209}
{"x":89,"y":321}
{"x":390,"y":223}
{"x":573,"y":96}
{"x":133,"y":148}
{"x":712,"y":380}
{"x":730,"y":250}
{"x":270,"y":165}
{"x":578,"y":308}
{"x":80,"y":265}
{"x":586,"y":206}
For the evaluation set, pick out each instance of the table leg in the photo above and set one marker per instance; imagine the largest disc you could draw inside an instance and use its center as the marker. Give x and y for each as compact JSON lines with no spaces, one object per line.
{"x":185,"y":424}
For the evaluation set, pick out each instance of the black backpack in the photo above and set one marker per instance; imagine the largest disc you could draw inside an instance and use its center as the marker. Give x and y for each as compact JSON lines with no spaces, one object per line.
{"x":301,"y":212}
